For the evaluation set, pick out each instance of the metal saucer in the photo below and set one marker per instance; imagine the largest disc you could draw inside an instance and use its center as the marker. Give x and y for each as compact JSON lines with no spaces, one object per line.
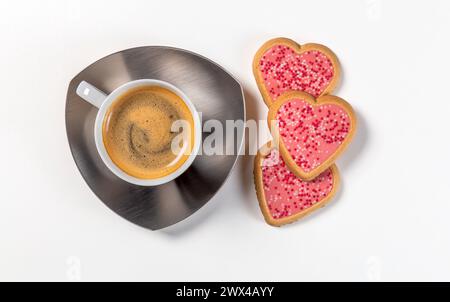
{"x":215,"y":93}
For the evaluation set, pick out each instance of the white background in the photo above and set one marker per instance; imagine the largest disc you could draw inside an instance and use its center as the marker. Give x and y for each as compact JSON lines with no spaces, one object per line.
{"x":391,"y":220}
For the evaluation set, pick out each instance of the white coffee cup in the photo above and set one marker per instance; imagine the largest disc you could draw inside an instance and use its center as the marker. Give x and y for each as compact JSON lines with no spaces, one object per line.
{"x":102,"y":101}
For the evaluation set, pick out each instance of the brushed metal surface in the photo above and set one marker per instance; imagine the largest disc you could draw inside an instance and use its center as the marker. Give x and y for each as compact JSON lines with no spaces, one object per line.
{"x":215,"y":93}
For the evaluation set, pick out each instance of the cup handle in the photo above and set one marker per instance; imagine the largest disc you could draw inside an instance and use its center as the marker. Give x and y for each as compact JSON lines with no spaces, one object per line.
{"x":91,"y":94}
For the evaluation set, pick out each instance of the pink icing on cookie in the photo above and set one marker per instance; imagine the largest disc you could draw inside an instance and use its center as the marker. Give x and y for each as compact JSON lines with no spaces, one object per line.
{"x":311,"y":134}
{"x":284,"y":69}
{"x":287,"y":194}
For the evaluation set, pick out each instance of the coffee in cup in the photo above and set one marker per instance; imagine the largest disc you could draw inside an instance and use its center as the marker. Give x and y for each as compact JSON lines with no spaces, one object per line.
{"x":139,"y":136}
{"x":147,"y":132}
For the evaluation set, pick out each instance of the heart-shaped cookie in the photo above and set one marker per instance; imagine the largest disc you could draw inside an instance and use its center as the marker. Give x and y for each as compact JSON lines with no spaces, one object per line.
{"x":282,"y":65}
{"x":283,"y":197}
{"x":311,"y":133}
